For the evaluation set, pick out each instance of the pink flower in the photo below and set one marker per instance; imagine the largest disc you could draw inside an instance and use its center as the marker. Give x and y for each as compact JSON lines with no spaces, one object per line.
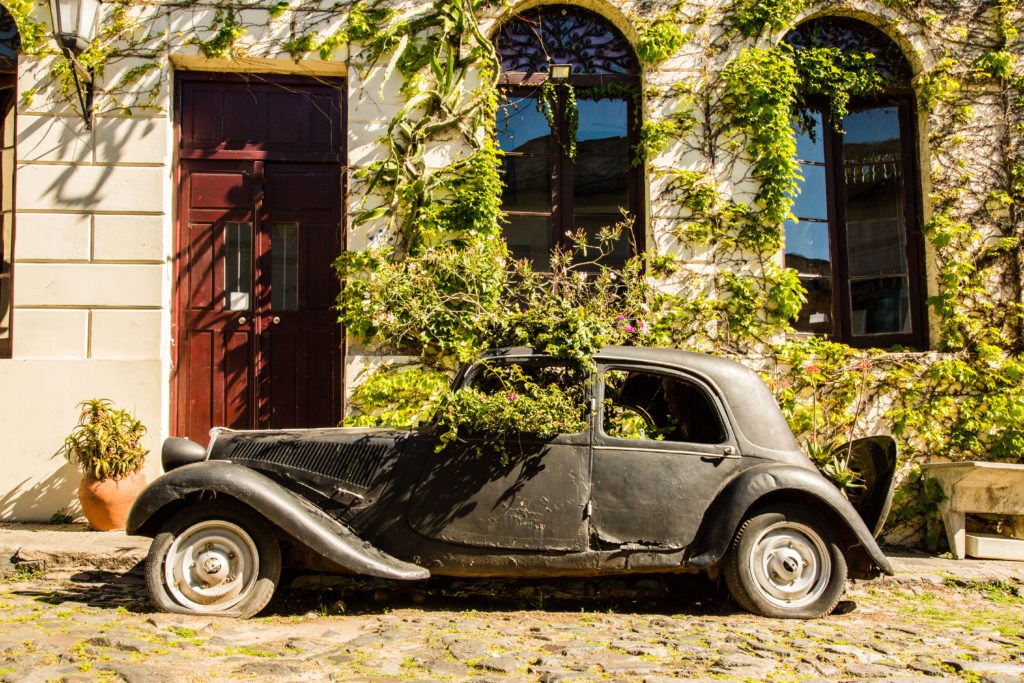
{"x":619,"y":318}
{"x":629,"y":328}
{"x":640,"y":325}
{"x":512,"y":397}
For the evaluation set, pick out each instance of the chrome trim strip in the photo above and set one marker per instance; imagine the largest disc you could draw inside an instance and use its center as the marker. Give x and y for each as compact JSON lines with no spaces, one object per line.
{"x":665,"y":450}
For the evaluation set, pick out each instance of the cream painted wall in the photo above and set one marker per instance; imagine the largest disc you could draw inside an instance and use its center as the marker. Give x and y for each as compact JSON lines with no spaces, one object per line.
{"x":38,"y":408}
{"x":92,"y":293}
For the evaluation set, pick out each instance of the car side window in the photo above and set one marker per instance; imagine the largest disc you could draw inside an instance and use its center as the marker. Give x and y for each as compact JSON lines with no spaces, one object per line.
{"x":558,"y":387}
{"x":648,"y":405}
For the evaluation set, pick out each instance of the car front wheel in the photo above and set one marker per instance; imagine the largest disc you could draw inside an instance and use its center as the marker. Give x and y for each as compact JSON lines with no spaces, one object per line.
{"x":218,"y":558}
{"x":784,"y":562}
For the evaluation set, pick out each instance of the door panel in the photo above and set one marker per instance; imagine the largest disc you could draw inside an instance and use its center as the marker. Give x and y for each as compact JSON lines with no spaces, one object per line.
{"x":509,"y":490}
{"x":301,"y":239}
{"x":662,"y":450}
{"x":533,"y":498}
{"x":214,"y":386}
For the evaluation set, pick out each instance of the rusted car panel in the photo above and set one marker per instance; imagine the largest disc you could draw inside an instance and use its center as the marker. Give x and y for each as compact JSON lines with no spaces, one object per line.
{"x":685,"y":464}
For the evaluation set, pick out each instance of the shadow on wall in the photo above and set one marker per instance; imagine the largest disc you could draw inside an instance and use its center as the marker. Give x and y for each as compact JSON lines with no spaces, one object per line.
{"x":65,"y":139}
{"x":37,"y":502}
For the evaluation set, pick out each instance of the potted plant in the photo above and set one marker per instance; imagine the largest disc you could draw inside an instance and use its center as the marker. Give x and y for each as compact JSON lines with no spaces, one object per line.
{"x":107,"y":446}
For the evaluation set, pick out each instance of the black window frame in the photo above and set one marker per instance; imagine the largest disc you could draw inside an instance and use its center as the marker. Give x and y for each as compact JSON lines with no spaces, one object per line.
{"x":520,"y":84}
{"x":712,"y":399}
{"x":847,"y":33}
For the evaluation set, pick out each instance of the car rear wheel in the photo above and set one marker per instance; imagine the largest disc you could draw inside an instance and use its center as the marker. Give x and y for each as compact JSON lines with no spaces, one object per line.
{"x":218,"y":558}
{"x":784,"y":562}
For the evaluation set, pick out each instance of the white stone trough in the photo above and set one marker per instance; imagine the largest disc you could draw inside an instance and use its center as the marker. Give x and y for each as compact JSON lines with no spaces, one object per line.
{"x":980,"y":487}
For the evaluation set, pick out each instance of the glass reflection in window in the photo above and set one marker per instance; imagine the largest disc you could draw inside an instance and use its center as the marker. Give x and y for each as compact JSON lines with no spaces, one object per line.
{"x":875,"y":222}
{"x":238,"y":266}
{"x":284,"y":254}
{"x":521,"y":128}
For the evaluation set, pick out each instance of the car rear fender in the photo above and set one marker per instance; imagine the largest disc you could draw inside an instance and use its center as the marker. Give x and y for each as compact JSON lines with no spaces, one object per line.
{"x":769,"y":483}
{"x":295,"y":518}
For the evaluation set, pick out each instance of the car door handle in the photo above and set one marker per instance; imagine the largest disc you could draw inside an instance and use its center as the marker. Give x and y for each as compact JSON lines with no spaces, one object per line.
{"x":727,"y":452}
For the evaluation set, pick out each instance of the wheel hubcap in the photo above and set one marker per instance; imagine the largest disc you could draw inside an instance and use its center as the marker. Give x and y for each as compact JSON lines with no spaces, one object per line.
{"x":790,"y":564}
{"x":211,"y":566}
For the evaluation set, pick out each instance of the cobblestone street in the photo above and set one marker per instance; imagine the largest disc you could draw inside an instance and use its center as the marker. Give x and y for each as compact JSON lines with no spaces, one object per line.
{"x":99,"y":626}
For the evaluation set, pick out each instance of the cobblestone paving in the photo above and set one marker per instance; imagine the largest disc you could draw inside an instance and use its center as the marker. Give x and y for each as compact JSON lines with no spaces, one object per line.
{"x":99,"y":626}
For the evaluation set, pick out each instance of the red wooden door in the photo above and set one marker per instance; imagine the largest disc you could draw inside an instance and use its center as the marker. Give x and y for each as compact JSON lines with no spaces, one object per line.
{"x":299,"y":367}
{"x":257,"y":343}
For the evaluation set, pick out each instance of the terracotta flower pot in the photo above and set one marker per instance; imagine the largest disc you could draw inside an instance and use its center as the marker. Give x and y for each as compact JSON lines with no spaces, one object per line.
{"x":106,"y":502}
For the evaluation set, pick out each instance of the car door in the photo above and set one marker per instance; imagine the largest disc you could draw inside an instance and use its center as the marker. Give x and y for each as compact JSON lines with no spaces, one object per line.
{"x":662,"y":449}
{"x":509,"y":491}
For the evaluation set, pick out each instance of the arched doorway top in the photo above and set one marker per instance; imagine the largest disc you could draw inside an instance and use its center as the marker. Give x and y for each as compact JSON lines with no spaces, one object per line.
{"x":533,"y":39}
{"x":852,"y":35}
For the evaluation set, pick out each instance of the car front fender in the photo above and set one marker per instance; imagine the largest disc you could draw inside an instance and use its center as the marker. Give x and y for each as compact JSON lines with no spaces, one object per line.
{"x":296,"y":518}
{"x":785,"y":483}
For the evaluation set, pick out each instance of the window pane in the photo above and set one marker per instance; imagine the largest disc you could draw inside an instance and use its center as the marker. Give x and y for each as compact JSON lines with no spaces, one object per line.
{"x":619,"y":251}
{"x":810,"y":144}
{"x":238,"y":266}
{"x":600,"y":184}
{"x":807,"y":247}
{"x":530,"y":237}
{"x":527,"y":184}
{"x":284,"y":255}
{"x":875,"y":222}
{"x":521,"y":128}
{"x":816,"y":315}
{"x":602,"y":126}
{"x":641,"y":405}
{"x":880,"y":306}
{"x":812,"y":200}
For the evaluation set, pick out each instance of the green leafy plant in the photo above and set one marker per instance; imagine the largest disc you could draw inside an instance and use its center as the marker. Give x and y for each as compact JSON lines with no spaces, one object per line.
{"x":397,"y":397}
{"x":832,"y":458}
{"x":61,"y":516}
{"x":662,"y":38}
{"x":107,"y":442}
{"x":513,"y":402}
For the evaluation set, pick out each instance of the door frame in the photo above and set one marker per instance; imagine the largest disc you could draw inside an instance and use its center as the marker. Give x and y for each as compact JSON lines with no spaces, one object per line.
{"x":180,"y":212}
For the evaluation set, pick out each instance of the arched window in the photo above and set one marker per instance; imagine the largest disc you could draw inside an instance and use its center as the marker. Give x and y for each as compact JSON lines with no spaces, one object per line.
{"x":557,"y":182}
{"x":857,"y":245}
{"x":10,"y":43}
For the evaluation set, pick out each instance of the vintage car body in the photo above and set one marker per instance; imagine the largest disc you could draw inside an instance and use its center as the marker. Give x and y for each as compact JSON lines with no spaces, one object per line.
{"x":740,"y":498}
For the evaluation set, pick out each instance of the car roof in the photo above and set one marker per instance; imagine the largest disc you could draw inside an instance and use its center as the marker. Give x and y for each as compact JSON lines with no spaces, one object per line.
{"x":756,"y":415}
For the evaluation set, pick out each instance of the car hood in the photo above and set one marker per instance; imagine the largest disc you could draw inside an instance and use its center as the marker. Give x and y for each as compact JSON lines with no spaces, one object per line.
{"x":343,"y":463}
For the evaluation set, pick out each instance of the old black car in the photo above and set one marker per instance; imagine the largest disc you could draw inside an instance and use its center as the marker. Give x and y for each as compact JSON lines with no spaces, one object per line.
{"x":683,"y":463}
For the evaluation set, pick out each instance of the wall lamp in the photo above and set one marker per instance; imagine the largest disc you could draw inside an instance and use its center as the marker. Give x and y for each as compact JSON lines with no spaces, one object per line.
{"x":74,"y":27}
{"x":559,"y":72}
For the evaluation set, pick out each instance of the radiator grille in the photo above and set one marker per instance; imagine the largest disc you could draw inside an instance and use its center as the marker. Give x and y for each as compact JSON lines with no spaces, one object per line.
{"x":357,"y":464}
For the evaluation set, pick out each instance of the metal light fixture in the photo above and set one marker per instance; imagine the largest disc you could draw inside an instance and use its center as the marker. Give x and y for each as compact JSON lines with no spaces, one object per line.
{"x":74,"y":27}
{"x":559,"y":72}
